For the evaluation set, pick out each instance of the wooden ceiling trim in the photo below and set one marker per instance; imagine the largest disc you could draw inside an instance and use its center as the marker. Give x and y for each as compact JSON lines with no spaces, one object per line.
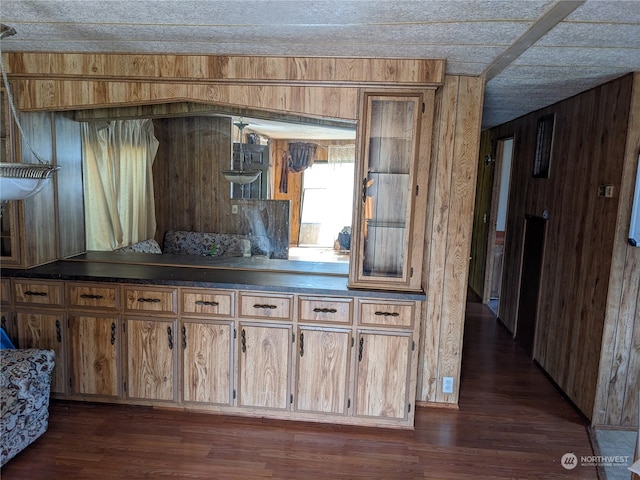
{"x":322,"y":71}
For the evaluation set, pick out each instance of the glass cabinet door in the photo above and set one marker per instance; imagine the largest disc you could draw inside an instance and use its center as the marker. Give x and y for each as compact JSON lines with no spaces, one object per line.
{"x":389,"y":151}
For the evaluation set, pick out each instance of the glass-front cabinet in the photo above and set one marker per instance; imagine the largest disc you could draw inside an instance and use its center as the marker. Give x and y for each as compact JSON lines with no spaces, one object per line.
{"x":387,"y":237}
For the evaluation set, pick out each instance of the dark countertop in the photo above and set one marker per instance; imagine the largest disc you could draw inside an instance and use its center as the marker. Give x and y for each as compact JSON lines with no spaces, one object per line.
{"x":283,"y":276}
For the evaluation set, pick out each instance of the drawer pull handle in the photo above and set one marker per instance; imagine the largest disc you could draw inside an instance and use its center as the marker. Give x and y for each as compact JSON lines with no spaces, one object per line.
{"x":244,"y":341}
{"x":58,"y":332}
{"x":361,"y":349}
{"x":207,"y":303}
{"x":325,"y":310}
{"x":388,"y":314}
{"x":113,"y":333}
{"x":91,"y":296}
{"x":149,"y":300}
{"x":35,"y":294}
{"x":170,"y":338}
{"x":262,"y":305}
{"x":302,"y":344}
{"x":184,"y":337}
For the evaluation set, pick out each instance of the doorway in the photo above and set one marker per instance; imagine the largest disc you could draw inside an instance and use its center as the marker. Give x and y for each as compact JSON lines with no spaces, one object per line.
{"x":498,"y":227}
{"x":530,"y":277}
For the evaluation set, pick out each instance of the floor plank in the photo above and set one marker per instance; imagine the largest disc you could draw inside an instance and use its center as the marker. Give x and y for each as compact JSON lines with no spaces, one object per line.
{"x":512,"y":424}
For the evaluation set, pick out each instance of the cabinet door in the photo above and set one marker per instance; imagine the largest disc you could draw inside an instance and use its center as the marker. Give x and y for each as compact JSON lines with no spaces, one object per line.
{"x":389,"y":154}
{"x":9,"y":245}
{"x":45,"y":331}
{"x":264,"y":365}
{"x":382,"y":377}
{"x":151,"y":359}
{"x":207,"y":350}
{"x":94,"y":343}
{"x":322,"y":372}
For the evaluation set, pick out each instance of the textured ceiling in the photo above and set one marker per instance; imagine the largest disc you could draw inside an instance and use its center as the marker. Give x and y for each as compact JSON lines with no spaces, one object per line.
{"x":532,"y":53}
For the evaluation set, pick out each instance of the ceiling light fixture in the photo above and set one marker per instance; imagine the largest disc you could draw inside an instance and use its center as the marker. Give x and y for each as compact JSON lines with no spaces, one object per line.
{"x":20,"y":180}
{"x":242,"y":176}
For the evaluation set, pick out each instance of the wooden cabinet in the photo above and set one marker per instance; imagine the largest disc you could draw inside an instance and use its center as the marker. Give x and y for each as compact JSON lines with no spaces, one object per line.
{"x":323,"y":370}
{"x":207,"y":361}
{"x":382,"y":374}
{"x":390,"y":202}
{"x":151,"y":359}
{"x":9,"y":245}
{"x":94,"y":354}
{"x":45,"y":330}
{"x":264,"y":365}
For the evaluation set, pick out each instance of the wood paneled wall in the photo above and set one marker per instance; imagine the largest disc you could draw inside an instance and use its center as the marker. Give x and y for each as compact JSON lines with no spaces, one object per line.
{"x":588,"y":151}
{"x":187,"y":173}
{"x":616,"y":402}
{"x":448,"y":235}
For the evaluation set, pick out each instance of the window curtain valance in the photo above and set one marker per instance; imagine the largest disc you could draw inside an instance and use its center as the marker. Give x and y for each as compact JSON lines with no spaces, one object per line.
{"x":341,"y":154}
{"x":296,"y":159}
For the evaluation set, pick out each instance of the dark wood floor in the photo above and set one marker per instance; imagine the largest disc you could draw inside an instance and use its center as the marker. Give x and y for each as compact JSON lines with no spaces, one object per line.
{"x":512,"y":423}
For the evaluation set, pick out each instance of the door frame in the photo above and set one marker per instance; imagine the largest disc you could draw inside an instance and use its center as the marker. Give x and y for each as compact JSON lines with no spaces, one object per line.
{"x":493,"y":215}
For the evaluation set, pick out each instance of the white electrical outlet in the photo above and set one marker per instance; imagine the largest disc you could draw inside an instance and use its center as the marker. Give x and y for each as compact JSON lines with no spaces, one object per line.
{"x":447,"y":384}
{"x":234,"y":209}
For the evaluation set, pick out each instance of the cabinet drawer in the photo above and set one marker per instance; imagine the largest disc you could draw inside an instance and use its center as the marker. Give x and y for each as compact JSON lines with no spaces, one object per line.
{"x":393,"y":314}
{"x":268,"y":306}
{"x":5,"y":291}
{"x":331,"y":310}
{"x":93,"y":296}
{"x":37,"y":293}
{"x":207,"y":302}
{"x":150,"y":299}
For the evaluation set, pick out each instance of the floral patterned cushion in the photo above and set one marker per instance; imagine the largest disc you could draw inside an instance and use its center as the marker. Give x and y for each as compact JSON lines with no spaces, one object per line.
{"x":25,"y":384}
{"x":147,"y":246}
{"x":212,"y":244}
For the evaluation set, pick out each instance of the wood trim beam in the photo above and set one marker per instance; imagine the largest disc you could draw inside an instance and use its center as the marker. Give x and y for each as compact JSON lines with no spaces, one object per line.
{"x":558,"y":12}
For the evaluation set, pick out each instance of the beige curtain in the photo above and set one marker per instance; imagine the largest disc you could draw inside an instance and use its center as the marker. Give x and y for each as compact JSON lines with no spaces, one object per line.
{"x":341,"y":154}
{"x":118,"y":182}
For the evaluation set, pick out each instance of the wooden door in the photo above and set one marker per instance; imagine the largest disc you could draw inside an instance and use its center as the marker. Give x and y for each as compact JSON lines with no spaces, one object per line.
{"x":322,"y":370}
{"x":530,"y":278}
{"x":207,"y":350}
{"x":382,"y":378}
{"x":46,"y":331}
{"x":151,"y":359}
{"x":264,"y":365}
{"x":94,"y":343}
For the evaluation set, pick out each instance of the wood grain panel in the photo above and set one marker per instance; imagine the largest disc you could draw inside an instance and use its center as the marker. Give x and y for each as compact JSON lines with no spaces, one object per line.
{"x":382,"y":374}
{"x":38,"y":293}
{"x":325,"y":310}
{"x":93,"y":296}
{"x":94,"y":345}
{"x":322,"y":370}
{"x":207,"y":303}
{"x":208,"y":362}
{"x":450,"y":217}
{"x":264,"y":366}
{"x":619,"y":369}
{"x":5,"y":291}
{"x":150,"y":299}
{"x":238,"y":69}
{"x":151,"y":359}
{"x":46,"y":331}
{"x":266,"y":306}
